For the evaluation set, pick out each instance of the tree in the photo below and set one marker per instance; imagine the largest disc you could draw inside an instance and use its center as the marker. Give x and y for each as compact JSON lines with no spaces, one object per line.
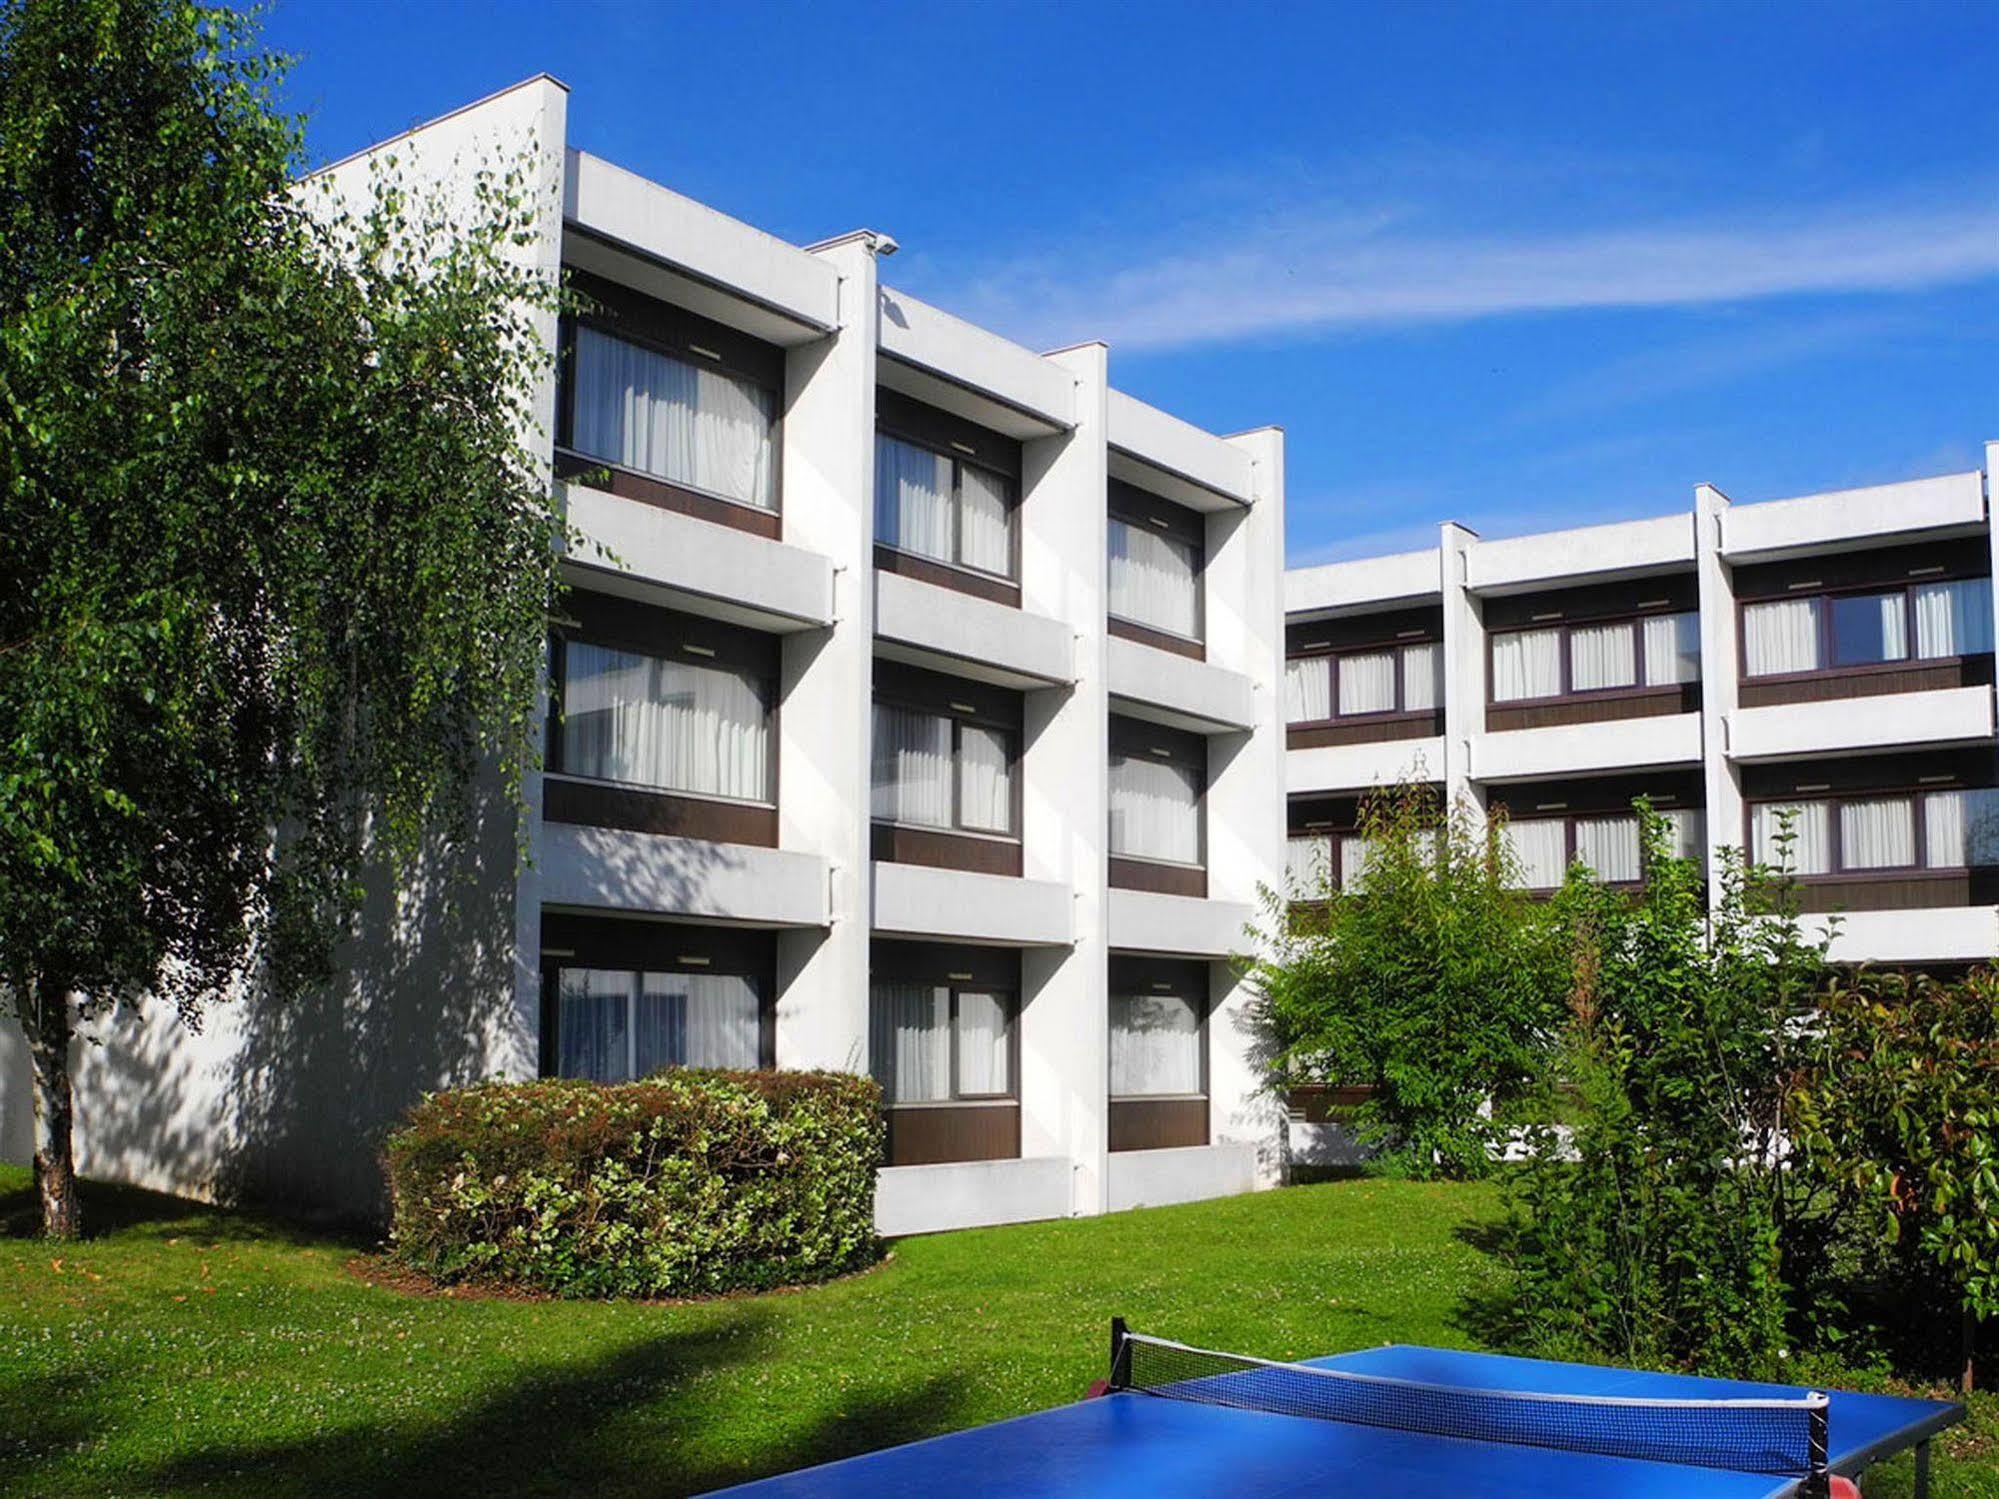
{"x":277,"y":563}
{"x":1431,"y":980}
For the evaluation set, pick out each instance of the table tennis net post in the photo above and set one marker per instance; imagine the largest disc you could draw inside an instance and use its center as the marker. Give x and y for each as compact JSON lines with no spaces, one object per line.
{"x":1783,"y":1436}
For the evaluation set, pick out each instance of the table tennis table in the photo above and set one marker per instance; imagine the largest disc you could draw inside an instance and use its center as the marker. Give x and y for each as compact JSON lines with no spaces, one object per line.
{"x":1408,"y":1422}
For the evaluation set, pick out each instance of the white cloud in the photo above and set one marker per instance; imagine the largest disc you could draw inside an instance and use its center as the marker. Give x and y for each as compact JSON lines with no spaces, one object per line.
{"x":1319,"y":269}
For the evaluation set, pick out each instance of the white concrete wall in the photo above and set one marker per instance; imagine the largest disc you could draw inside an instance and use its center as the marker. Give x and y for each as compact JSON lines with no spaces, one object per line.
{"x":973,"y":636}
{"x":1154,"y":1178}
{"x":1946,"y":716}
{"x":1464,"y":667}
{"x":1587,"y":748}
{"x":614,"y":870}
{"x":1198,"y":696}
{"x":970,"y":1194}
{"x":914,"y":900}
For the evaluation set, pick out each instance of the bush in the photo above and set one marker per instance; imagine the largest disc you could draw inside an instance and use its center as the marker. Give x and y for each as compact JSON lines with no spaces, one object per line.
{"x":687,"y":1182}
{"x":1652,"y":1227}
{"x":1432,"y":980}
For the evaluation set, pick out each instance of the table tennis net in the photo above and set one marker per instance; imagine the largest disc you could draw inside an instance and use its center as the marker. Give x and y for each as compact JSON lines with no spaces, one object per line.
{"x":1785,"y":1437}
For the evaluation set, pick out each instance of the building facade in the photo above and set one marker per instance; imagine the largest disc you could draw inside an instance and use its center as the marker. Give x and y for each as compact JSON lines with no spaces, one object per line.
{"x":1829,"y":657}
{"x":915,"y":708}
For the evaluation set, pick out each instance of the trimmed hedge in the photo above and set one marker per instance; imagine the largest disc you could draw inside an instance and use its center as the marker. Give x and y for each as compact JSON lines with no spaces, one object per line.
{"x":688,"y":1182}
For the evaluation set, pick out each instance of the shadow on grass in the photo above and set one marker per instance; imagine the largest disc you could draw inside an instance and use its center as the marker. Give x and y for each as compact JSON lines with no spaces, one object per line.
{"x":111,"y":1210}
{"x":1489,"y":1312}
{"x":591,"y":1427}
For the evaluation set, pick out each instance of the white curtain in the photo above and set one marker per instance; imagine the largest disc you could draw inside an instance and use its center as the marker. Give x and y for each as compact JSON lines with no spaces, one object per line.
{"x":909,"y":1041}
{"x":1155,"y":1045}
{"x":651,"y":722}
{"x":982,"y":1055}
{"x":1540,"y":845}
{"x":912,"y":499}
{"x":912,"y":767}
{"x":1307,"y":862}
{"x":985,"y":540}
{"x":1154,"y":579}
{"x":1355,"y":852}
{"x":1155,"y":810}
{"x":1308,"y":689}
{"x":1811,"y":828}
{"x":1780,"y":636}
{"x":1869,"y":628}
{"x":1954,"y":619}
{"x":1672,"y":649}
{"x":1878,"y":834}
{"x":1961,"y":828}
{"x":1421,"y":675}
{"x":985,"y":780}
{"x":1526,"y":663}
{"x":695,"y":1020}
{"x":664,"y":416}
{"x":1689,"y":836}
{"x":594,"y":1011}
{"x":1602,"y":656}
{"x":1609,"y":846}
{"x":1367,"y":683}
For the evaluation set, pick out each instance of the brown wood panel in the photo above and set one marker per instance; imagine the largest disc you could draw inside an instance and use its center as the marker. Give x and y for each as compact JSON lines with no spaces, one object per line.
{"x":1179,"y":645}
{"x":1868,"y":681}
{"x":1155,"y":512}
{"x":1588,"y":796}
{"x":946,"y":432}
{"x":894,"y":843}
{"x":1327,"y":1103}
{"x":607,"y":619}
{"x":930,"y":1134}
{"x":1870,"y":567}
{"x":1158,"y":1123}
{"x":961,"y":580}
{"x":1676,"y":593}
{"x":630,"y":485}
{"x":1161,"y":879}
{"x":995,"y":968}
{"x":1649,"y":702}
{"x":633,"y":315}
{"x":1391,"y":627}
{"x":1934,"y":770}
{"x":599,"y":805}
{"x":939,"y":692}
{"x":1379,"y":730}
{"x":1915,"y":890}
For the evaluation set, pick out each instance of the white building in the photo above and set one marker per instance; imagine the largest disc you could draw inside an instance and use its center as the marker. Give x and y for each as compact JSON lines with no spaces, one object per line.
{"x":920,"y":712}
{"x":1831,"y":654}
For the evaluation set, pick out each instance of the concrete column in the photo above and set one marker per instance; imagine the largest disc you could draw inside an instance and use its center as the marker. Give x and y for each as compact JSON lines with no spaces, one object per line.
{"x":1720,"y":679}
{"x":1064,"y":1021}
{"x":1464,"y":668}
{"x":1245,"y":579}
{"x":827,"y":675}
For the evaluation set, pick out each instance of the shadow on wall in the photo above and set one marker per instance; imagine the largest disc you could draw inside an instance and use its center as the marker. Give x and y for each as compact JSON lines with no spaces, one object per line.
{"x":286,"y":1102}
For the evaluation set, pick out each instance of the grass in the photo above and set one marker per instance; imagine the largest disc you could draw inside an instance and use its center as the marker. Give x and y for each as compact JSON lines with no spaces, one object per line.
{"x":186,"y":1350}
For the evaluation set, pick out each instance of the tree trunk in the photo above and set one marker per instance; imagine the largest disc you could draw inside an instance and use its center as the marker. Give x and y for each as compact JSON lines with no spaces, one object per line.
{"x":1968,"y":1331}
{"x":55,"y":1163}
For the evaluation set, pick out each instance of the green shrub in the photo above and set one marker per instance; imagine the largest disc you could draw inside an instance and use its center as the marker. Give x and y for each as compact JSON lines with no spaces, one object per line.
{"x":687,"y":1182}
{"x":1432,"y":980}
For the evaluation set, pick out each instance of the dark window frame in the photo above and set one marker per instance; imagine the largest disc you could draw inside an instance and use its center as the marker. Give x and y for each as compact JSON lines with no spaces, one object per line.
{"x":1137,"y":739}
{"x":962,"y":971}
{"x":959,"y":720}
{"x":1918,"y":578}
{"x":1400,"y":712}
{"x":1132,"y":506}
{"x":662,"y":327}
{"x":1133,"y":978}
{"x":1917,"y":794}
{"x":913,"y":435}
{"x":619,"y":624}
{"x":1563,"y":628}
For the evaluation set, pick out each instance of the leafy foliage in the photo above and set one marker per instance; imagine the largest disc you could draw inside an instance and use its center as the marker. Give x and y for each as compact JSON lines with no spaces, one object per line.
{"x":277,"y":561}
{"x":690,"y":1181}
{"x":1433,"y":980}
{"x":1902,"y":1118}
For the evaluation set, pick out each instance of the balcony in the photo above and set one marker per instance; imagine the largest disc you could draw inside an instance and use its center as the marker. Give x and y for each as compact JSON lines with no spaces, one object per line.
{"x":1851,"y":519}
{"x":663,"y":557}
{"x":915,"y":900}
{"x":1949,"y":716}
{"x":1938,"y":934}
{"x":1358,"y":767}
{"x":1174,"y":690}
{"x":591,"y":869}
{"x":966,"y":636}
{"x":1587,"y":748}
{"x":1143,"y":921}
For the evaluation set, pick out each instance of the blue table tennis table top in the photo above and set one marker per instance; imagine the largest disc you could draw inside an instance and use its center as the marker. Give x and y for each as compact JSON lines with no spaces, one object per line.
{"x":1134,"y":1443}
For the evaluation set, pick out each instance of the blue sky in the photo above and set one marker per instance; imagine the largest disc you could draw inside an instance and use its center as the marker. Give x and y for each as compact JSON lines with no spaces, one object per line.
{"x":1516,"y":265}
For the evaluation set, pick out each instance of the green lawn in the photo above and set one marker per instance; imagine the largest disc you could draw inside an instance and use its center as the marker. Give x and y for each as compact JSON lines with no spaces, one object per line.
{"x":192,"y":1351}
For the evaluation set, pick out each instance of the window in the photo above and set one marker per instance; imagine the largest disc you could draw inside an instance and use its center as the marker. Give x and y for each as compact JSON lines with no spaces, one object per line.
{"x":1401,"y":679}
{"x":938,"y":772}
{"x":939,"y":506}
{"x":1308,"y":861}
{"x":1155,"y":806}
{"x":670,"y":725}
{"x":1875,"y":832}
{"x":688,"y":424}
{"x":1540,"y":846}
{"x":1154,"y":579}
{"x":1155,"y":1046}
{"x":613,"y":1024}
{"x":1659,"y":650}
{"x":1607,"y":844}
{"x":936,"y":1043}
{"x":1923,"y":622}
